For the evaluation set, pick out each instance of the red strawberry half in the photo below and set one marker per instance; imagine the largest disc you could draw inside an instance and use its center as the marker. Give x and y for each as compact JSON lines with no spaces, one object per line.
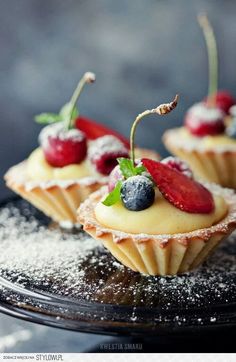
{"x":181,"y":191}
{"x":94,"y":130}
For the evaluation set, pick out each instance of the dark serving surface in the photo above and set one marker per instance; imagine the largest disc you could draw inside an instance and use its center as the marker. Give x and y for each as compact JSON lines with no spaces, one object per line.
{"x":67,"y":279}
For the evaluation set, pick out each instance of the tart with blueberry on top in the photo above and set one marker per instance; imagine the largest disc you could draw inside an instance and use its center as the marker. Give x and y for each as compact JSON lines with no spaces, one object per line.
{"x":75,"y":157}
{"x":154,"y":217}
{"x":207,"y":141}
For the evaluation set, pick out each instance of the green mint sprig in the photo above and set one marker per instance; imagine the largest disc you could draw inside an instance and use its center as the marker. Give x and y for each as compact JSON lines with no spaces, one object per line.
{"x":128,"y":170}
{"x":114,"y":196}
{"x":49,"y":118}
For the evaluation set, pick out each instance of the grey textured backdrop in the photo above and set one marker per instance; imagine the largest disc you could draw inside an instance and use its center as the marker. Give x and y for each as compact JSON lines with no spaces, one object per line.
{"x":143,"y":52}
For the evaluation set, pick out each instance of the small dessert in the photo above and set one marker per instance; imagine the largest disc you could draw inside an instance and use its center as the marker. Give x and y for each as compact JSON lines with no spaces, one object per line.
{"x":75,"y":157}
{"x":206,"y":141}
{"x":154,"y":217}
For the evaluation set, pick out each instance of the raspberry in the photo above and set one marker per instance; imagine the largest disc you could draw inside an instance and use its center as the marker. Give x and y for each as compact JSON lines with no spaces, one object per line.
{"x":114,"y":177}
{"x":179,"y":165}
{"x":104,"y":151}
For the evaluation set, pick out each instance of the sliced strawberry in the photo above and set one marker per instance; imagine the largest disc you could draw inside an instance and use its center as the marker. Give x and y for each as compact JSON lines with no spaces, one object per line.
{"x":181,"y":191}
{"x":94,"y":130}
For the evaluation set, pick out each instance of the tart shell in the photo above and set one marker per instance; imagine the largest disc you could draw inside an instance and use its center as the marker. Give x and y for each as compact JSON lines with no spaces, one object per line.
{"x":59,"y":199}
{"x":218,"y":166}
{"x":160,"y":254}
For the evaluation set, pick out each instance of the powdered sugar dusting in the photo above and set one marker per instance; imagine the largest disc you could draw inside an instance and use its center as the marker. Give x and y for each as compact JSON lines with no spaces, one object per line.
{"x":75,"y":266}
{"x":106,"y":144}
{"x":58,"y":130}
{"x":200,"y":111}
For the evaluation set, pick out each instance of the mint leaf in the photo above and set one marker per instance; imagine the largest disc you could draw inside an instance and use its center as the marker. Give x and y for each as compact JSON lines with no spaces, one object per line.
{"x":126,"y":166}
{"x":128,"y":169}
{"x":47,"y":118}
{"x":114,"y":196}
{"x":65,"y":112}
{"x":140,"y":169}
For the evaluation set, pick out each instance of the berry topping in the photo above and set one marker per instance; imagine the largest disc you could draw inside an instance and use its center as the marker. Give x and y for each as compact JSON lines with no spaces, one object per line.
{"x":181,"y":191}
{"x":104,"y":151}
{"x":223,"y":100}
{"x":61,"y":142}
{"x":179,"y":165}
{"x":137,"y":193}
{"x":94,"y":130}
{"x":115,"y":176}
{"x":62,"y":147}
{"x":202,"y":120}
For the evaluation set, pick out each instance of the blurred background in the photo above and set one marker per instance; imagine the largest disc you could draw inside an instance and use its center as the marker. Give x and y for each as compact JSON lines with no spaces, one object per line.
{"x":143,"y":52}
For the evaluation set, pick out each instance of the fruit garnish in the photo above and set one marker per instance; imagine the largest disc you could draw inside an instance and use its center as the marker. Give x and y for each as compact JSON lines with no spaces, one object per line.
{"x":94,"y":130}
{"x":114,"y":177}
{"x":224,"y":100}
{"x":207,"y":118}
{"x":202,"y":121}
{"x":180,"y":190}
{"x":220,"y":99}
{"x":137,"y":193}
{"x":179,"y":165}
{"x":104,"y":151}
{"x":63,"y":144}
{"x":134,"y":186}
{"x":62,"y":147}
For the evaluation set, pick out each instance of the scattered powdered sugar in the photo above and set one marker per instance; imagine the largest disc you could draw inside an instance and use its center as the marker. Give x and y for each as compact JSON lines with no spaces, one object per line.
{"x":73,"y":265}
{"x":107,"y":144}
{"x":58,"y":130}
{"x":200,"y":111}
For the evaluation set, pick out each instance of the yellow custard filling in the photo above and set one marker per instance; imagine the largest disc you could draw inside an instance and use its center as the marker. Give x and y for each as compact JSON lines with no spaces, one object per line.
{"x":206,"y":141}
{"x":161,"y":218}
{"x":38,"y":169}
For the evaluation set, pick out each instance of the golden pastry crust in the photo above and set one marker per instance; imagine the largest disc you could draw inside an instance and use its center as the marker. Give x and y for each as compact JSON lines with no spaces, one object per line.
{"x":160,"y":254}
{"x":58,"y":199}
{"x":216,"y":165}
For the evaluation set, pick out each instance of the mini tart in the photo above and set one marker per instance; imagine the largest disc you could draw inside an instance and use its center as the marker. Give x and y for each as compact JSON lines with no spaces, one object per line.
{"x":212,"y":158}
{"x":58,"y":198}
{"x":160,"y":254}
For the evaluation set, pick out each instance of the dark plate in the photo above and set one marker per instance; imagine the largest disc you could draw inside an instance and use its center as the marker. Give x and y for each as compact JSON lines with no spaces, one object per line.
{"x":65,"y":279}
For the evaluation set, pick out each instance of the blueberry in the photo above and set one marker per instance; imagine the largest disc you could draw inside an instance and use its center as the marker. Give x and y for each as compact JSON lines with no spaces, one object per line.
{"x":137,"y":193}
{"x":231,"y":129}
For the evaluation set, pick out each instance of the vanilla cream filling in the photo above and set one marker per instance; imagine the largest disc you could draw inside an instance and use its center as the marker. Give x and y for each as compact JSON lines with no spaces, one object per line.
{"x":206,"y":142}
{"x":161,"y":218}
{"x":38,"y":169}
